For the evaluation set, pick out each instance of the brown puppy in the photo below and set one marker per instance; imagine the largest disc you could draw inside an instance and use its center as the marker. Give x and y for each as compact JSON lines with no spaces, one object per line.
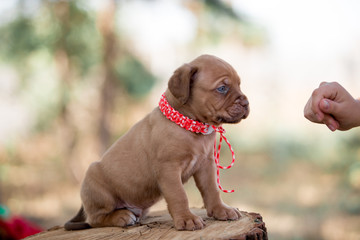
{"x":155,"y":157}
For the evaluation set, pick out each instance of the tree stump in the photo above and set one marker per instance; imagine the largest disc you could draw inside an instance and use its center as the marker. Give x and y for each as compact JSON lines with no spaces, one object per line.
{"x":159,"y":225}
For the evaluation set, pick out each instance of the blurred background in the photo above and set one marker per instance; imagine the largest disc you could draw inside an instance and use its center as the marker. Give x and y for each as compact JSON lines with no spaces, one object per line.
{"x":76,"y":75}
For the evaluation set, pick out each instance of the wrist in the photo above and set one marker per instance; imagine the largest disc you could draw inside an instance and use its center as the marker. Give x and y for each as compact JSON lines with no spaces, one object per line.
{"x":357,"y":112}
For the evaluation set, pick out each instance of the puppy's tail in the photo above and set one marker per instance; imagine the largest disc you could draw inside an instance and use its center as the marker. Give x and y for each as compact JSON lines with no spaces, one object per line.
{"x":77,"y":222}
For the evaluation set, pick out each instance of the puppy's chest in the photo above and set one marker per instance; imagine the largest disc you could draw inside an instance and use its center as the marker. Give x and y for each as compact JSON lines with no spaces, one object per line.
{"x":190,"y":167}
{"x":193,"y":164}
{"x":190,"y":152}
{"x":196,"y":160}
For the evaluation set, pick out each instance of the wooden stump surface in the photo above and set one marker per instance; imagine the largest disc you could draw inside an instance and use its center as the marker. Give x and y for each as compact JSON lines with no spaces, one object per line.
{"x":159,"y":225}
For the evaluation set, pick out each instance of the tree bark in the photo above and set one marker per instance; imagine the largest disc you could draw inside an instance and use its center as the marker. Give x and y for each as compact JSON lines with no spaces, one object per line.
{"x":159,"y":225}
{"x":106,"y":21}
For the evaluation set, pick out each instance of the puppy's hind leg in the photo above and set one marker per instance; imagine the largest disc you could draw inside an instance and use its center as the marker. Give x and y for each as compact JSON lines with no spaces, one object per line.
{"x":116,"y":218}
{"x":102,"y":208}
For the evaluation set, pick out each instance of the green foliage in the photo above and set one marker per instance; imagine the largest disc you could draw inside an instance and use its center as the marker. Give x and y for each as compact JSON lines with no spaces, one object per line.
{"x":220,"y":14}
{"x":219,"y":7}
{"x":18,"y":39}
{"x":349,"y":171}
{"x":58,"y":34}
{"x":75,"y":32}
{"x":134,"y":77}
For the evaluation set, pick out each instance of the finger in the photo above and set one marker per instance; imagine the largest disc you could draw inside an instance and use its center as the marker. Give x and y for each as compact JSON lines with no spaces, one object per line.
{"x":331,"y":127}
{"x":325,"y":90}
{"x":312,"y":117}
{"x":323,"y":83}
{"x":330,"y":122}
{"x":329,"y":90}
{"x":309,"y":113}
{"x":314,"y":105}
{"x":328,"y":106}
{"x":325,"y":105}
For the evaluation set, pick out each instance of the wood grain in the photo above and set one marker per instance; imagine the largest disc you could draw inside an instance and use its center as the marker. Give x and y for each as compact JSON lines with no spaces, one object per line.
{"x":159,"y":225}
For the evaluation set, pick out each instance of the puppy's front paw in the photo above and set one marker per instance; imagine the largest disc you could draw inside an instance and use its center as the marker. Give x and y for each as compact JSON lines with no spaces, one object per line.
{"x":189,"y":222}
{"x":223,"y":212}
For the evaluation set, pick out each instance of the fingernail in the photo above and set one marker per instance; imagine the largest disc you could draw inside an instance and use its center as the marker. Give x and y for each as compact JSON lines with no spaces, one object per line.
{"x":331,"y":127}
{"x":325,"y":104}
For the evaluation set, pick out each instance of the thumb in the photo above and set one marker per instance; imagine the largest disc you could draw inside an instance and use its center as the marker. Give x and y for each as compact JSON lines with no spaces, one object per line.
{"x":328,"y":106}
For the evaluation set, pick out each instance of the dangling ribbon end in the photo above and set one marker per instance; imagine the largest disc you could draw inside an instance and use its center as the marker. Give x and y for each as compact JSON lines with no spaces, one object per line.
{"x":224,"y":190}
{"x":217,"y":156}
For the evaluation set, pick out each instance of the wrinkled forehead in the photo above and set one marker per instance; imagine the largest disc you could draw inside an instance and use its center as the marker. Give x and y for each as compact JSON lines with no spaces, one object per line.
{"x":211,"y":68}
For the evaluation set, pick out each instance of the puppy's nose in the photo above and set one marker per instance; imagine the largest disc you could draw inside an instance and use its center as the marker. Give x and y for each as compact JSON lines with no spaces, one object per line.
{"x":243,"y":101}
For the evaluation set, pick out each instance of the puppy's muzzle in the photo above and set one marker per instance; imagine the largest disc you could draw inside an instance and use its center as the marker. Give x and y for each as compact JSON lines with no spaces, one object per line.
{"x":237,"y":111}
{"x":244,"y":103}
{"x":240,"y":109}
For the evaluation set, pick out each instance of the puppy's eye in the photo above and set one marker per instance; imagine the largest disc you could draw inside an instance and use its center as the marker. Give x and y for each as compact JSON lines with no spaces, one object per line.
{"x":222,"y":89}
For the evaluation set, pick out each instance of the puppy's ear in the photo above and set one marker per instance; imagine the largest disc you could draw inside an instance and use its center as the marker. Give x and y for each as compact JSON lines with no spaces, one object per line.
{"x":181,"y":81}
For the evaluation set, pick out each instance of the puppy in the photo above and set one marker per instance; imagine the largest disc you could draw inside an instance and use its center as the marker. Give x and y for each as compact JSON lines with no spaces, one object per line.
{"x":156,"y":156}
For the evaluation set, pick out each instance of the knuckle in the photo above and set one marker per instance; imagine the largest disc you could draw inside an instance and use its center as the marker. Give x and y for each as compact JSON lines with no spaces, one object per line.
{"x":323,"y":83}
{"x":315,"y":93}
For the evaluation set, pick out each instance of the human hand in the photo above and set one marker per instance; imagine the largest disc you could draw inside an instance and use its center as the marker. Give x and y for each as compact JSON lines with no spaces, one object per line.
{"x":333,"y":106}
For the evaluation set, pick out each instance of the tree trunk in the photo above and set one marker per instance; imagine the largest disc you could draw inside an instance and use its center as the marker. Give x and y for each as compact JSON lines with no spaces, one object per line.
{"x":106,"y":23}
{"x":68,"y":131}
{"x":159,"y":225}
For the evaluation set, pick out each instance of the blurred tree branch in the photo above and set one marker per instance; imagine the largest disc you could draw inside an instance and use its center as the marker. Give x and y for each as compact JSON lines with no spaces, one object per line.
{"x":106,"y":22}
{"x":220,"y":7}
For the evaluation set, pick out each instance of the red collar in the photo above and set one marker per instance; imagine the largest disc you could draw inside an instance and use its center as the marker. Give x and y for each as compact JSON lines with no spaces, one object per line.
{"x":185,"y":122}
{"x":198,"y":127}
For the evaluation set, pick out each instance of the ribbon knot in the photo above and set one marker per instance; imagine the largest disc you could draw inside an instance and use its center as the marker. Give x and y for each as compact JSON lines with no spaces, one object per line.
{"x":199,"y":127}
{"x":219,"y":129}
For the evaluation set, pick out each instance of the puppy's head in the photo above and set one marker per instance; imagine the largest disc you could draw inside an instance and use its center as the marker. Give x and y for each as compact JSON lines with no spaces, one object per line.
{"x":209,"y":90}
